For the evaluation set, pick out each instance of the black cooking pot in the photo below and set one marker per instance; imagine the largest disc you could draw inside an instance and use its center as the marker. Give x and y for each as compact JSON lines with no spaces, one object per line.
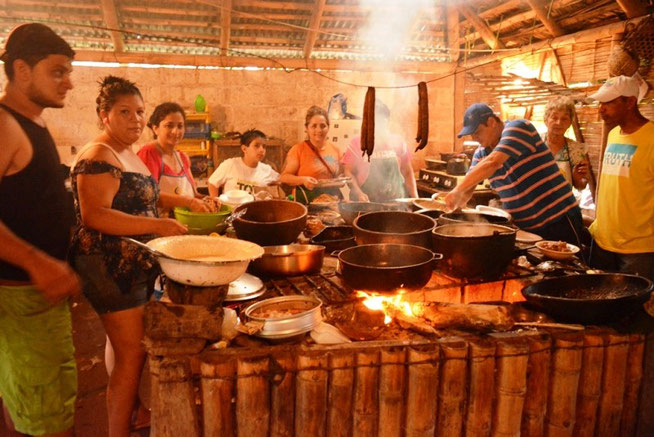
{"x":458,"y":164}
{"x":474,"y":251}
{"x":452,"y":218}
{"x":386,"y":267}
{"x":396,"y":227}
{"x":596,"y":298}
{"x":335,"y":238}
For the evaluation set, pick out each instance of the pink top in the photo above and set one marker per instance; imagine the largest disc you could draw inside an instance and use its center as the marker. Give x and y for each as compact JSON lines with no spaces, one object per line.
{"x":393,"y":147}
{"x":150,"y":155}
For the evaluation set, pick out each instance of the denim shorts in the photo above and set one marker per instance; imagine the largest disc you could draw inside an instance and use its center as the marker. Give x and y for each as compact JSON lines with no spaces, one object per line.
{"x":103,"y":292}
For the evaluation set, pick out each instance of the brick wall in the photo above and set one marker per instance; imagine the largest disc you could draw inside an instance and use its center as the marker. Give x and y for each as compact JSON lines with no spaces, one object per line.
{"x":271,"y":100}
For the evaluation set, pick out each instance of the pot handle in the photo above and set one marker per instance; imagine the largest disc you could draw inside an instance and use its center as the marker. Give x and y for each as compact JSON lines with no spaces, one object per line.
{"x":436,"y":256}
{"x":336,"y":253}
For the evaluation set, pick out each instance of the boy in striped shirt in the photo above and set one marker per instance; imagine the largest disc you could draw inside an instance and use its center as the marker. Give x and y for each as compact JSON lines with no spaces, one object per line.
{"x":523,"y":172}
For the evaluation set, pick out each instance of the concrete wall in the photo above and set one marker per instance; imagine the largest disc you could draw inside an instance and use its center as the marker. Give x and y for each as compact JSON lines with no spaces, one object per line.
{"x":271,"y":100}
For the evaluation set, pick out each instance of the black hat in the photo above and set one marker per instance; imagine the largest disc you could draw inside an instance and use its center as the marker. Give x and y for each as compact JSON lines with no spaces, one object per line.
{"x":34,"y":40}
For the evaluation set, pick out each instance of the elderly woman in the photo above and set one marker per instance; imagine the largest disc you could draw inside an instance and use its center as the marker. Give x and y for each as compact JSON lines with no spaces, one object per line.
{"x":115,"y":195}
{"x":313,"y":159}
{"x":570,"y":156}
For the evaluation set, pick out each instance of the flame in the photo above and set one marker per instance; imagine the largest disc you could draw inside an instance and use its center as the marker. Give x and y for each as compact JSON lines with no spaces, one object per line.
{"x":378,"y":302}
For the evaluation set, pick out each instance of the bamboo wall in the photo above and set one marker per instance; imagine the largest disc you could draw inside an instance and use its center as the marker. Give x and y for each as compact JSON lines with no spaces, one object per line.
{"x":529,"y":383}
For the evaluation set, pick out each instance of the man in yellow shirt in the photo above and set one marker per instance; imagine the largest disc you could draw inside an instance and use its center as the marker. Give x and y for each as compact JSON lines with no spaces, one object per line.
{"x":623,"y":232}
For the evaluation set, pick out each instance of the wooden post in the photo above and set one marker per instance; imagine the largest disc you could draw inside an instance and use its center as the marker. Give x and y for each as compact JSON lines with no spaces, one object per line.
{"x":538,"y":383}
{"x":252,"y":397}
{"x":481,"y":388}
{"x":632,"y":384}
{"x":590,"y":383}
{"x":282,"y":395}
{"x":453,"y":384}
{"x":217,"y":385}
{"x":174,"y":411}
{"x":512,"y":355}
{"x":366,"y":401}
{"x":311,"y":395}
{"x":612,"y":396}
{"x":391,"y":392}
{"x":341,"y":380}
{"x":564,"y":381}
{"x":422,"y":391}
{"x":646,"y":401}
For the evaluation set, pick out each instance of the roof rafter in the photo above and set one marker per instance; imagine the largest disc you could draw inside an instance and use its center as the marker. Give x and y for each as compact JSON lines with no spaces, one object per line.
{"x":314,"y":25}
{"x":225,"y":26}
{"x":543,"y":15}
{"x":483,"y":29}
{"x":111,"y":18}
{"x":633,"y":8}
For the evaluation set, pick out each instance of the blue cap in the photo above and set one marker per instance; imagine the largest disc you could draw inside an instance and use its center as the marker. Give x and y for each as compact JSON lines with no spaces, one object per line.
{"x":475,"y":115}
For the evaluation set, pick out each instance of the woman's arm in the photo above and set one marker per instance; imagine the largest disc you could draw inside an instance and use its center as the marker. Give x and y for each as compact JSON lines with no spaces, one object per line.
{"x":170,"y":200}
{"x":356,"y":193}
{"x":289,"y":174}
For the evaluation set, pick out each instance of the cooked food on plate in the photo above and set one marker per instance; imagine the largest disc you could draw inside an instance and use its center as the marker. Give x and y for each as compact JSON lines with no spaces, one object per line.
{"x":325,"y":198}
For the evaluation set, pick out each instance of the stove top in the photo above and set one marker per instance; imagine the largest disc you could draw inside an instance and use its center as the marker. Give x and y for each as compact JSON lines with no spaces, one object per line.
{"x":442,"y":180}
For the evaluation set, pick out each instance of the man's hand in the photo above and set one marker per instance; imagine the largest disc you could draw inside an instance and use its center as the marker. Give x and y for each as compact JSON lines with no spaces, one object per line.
{"x":54,"y":278}
{"x":456,"y":199}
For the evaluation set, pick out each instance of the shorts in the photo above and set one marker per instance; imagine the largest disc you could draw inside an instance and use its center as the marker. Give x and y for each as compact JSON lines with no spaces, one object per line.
{"x":103,"y":292}
{"x":38,"y":375}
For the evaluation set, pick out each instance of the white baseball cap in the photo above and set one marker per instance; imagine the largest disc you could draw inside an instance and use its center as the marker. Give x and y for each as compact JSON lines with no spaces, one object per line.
{"x":618,"y":86}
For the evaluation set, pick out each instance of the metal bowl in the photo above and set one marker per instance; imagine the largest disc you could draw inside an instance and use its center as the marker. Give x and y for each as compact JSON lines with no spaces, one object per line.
{"x":270,"y":222}
{"x":289,"y":260}
{"x":302,"y":315}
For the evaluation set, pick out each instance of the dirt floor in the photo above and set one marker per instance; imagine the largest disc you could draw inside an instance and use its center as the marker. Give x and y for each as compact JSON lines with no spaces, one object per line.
{"x":89,"y":338}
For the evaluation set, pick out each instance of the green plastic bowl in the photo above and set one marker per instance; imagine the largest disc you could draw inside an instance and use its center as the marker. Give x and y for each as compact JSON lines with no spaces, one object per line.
{"x":202,"y":223}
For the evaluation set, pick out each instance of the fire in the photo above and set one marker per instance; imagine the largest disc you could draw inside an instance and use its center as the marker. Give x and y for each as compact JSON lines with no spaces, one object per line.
{"x":378,"y":302}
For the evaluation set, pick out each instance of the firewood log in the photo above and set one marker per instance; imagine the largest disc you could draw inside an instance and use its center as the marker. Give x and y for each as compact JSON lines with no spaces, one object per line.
{"x":468,"y":317}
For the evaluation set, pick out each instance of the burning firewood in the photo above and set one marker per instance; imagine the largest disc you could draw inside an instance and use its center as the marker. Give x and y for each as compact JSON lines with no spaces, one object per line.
{"x":464,"y":316}
{"x":407,"y":321}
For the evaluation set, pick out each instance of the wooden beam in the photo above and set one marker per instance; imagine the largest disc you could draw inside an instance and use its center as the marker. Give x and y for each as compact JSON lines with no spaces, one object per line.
{"x":225,"y":26}
{"x":239,"y":62}
{"x":543,"y":15}
{"x":481,"y":26}
{"x":111,"y":20}
{"x":633,"y":8}
{"x":452,"y":15}
{"x":314,"y":26}
{"x":589,"y":35}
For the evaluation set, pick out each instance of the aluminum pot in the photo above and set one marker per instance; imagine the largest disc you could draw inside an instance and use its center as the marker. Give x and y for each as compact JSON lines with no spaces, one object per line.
{"x":472,"y":216}
{"x":474,"y":251}
{"x":335,"y":238}
{"x":285,"y":316}
{"x":596,"y":298}
{"x":270,"y":222}
{"x":396,"y":227}
{"x":289,"y":260}
{"x":204,"y":261}
{"x":386,"y":267}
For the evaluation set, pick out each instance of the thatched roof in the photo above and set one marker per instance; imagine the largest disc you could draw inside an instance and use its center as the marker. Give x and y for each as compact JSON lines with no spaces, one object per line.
{"x":314,"y":33}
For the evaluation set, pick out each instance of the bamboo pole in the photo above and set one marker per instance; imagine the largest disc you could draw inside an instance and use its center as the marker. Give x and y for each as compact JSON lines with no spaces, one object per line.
{"x":590,"y":383}
{"x":633,"y":380}
{"x":646,"y":402}
{"x":311,"y":395}
{"x":422,"y":391}
{"x":612,"y":396}
{"x":564,"y":381}
{"x":174,"y":411}
{"x":391,"y":392}
{"x":252,"y":396}
{"x":538,"y":382}
{"x":366,"y":400}
{"x":339,"y":403}
{"x":282,"y":395}
{"x":510,"y":384}
{"x":480,"y":392}
{"x":453,"y":385}
{"x":217,"y":386}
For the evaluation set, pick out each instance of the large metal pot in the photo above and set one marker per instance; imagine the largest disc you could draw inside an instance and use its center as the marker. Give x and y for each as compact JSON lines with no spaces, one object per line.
{"x":474,"y":251}
{"x":202,"y":260}
{"x":270,"y":222}
{"x":335,"y":238}
{"x":471,"y":216}
{"x":285,"y":316}
{"x":596,"y":298}
{"x":397,"y":227}
{"x":289,"y":260}
{"x":351,"y":210}
{"x":386,"y":267}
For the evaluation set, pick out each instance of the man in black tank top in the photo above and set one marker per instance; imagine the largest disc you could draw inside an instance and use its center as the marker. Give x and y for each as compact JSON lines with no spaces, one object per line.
{"x":39,"y":379}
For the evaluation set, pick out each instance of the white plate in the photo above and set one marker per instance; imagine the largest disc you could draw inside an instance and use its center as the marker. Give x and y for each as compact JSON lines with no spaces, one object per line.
{"x":527,"y":237}
{"x":245,"y":287}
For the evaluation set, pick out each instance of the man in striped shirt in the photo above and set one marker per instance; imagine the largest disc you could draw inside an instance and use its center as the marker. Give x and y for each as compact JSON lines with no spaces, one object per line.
{"x":523,"y":172}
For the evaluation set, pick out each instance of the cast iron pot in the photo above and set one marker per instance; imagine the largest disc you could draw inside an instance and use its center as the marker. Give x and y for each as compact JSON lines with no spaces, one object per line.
{"x":351,"y":210}
{"x":396,"y":227}
{"x":474,"y":251}
{"x":335,"y":238}
{"x":386,"y":267}
{"x":270,"y":222}
{"x":452,"y":218}
{"x":596,"y":298}
{"x":458,"y":164}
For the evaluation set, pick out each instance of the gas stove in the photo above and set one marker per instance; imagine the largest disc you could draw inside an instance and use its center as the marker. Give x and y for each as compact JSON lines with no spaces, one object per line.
{"x":442,"y":180}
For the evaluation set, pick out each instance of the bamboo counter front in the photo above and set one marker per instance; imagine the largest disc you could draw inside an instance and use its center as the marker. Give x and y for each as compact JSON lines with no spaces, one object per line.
{"x":595,"y":382}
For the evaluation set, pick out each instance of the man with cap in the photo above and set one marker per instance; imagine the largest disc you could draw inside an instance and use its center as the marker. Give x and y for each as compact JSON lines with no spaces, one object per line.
{"x":522,"y":170}
{"x":623,"y":231}
{"x":38,"y":377}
